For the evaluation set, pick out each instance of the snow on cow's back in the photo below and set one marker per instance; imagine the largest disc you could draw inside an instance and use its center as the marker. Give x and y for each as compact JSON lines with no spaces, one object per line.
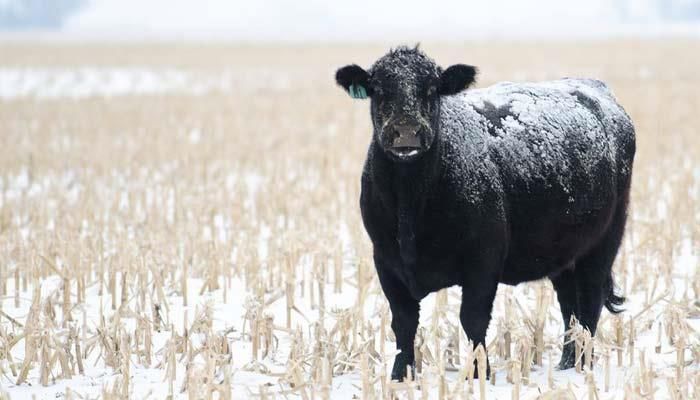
{"x":544,"y":134}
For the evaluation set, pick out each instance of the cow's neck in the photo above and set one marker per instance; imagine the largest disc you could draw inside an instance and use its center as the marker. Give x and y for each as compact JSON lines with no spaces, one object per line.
{"x":411,"y":184}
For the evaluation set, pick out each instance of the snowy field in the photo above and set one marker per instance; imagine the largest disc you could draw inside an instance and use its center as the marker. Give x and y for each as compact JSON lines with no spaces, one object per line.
{"x":98,"y":81}
{"x":183,"y":222}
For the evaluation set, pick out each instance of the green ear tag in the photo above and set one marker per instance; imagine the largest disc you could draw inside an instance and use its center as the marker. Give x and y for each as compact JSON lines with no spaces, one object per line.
{"x":357,"y":92}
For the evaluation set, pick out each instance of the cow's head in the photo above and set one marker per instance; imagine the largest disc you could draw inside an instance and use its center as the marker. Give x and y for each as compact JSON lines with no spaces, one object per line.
{"x":405,"y":87}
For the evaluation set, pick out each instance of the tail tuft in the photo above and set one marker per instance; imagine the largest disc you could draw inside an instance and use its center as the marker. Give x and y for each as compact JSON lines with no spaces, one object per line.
{"x":613,"y":301}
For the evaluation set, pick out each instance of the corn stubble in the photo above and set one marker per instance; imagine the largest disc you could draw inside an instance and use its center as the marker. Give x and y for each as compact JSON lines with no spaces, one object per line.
{"x":125,"y":244}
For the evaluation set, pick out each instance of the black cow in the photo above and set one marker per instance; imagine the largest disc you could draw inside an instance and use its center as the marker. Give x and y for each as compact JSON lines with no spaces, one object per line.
{"x":511,"y":183}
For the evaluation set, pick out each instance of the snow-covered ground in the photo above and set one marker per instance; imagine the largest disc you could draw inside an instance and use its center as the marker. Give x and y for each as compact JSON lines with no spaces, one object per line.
{"x":92,"y":81}
{"x":247,"y":378}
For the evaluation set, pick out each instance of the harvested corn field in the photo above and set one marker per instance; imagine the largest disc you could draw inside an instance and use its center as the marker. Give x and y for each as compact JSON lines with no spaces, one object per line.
{"x":182,"y":221}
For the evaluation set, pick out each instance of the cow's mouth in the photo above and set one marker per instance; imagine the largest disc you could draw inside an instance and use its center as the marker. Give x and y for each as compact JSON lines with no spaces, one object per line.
{"x":406,"y":152}
{"x":404,"y":142}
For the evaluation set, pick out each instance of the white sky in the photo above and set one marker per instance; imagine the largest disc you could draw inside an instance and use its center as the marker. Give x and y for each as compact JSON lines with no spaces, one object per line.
{"x":323,"y":20}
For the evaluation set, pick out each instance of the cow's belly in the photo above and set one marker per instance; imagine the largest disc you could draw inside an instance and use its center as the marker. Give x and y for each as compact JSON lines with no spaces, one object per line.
{"x":543,"y":245}
{"x":433,"y":275}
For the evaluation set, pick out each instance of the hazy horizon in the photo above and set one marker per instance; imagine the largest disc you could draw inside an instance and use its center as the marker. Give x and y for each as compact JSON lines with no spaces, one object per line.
{"x":361,"y":20}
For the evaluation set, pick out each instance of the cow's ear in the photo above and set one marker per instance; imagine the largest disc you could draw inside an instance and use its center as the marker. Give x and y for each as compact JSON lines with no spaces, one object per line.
{"x":354,"y":80}
{"x":456,"y":78}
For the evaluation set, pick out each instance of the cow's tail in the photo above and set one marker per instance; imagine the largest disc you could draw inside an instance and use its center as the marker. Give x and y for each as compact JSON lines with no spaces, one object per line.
{"x":613,"y":301}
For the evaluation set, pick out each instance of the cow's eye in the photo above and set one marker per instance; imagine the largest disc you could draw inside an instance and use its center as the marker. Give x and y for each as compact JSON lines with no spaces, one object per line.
{"x":431,"y":90}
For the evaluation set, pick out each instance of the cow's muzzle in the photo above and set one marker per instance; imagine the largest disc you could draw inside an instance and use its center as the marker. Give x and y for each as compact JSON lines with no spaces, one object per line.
{"x":405,"y":141}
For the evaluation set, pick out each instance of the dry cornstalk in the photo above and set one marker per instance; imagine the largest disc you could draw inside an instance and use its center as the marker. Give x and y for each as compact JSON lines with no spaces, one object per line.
{"x":481,"y":361}
{"x":515,"y":368}
{"x":619,"y":339}
{"x":590,"y":383}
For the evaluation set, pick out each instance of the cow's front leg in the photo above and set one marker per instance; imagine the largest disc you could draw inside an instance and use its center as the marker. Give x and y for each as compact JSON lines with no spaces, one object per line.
{"x":475,"y":313}
{"x":404,"y":318}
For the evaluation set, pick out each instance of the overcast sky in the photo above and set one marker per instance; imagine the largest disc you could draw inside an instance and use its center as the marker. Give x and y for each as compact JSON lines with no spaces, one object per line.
{"x":362,"y":20}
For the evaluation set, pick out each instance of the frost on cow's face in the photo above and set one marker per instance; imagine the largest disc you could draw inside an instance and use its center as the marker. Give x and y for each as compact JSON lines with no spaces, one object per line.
{"x":405,"y":87}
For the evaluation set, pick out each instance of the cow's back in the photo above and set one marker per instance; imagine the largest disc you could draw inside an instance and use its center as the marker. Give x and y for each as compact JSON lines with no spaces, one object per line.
{"x":566,"y":140}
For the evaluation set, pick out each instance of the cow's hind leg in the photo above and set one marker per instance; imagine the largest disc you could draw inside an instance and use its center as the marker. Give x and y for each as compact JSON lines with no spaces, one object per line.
{"x":565,"y":286}
{"x":593,"y":273}
{"x":475,"y":315}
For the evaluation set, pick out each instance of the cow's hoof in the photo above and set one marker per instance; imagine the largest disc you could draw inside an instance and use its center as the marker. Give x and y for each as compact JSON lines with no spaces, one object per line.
{"x":402,"y":360}
{"x":488,"y":370}
{"x":568,"y":357}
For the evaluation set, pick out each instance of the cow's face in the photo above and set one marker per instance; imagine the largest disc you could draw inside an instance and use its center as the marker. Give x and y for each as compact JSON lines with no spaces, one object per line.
{"x":405,"y":87}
